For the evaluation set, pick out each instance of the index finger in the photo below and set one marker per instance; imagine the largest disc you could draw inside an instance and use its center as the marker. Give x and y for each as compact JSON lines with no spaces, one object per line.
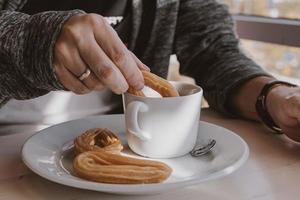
{"x":114,"y":48}
{"x":103,"y":68}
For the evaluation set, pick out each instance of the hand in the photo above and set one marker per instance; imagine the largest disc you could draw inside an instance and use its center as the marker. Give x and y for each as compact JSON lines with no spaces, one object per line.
{"x":283,"y":104}
{"x":88,"y":41}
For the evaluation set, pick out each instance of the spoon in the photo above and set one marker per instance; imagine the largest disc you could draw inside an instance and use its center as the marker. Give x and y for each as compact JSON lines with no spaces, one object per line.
{"x":200,"y":150}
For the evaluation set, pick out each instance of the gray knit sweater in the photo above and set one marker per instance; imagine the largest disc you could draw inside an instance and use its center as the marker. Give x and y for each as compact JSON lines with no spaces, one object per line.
{"x":199,"y":32}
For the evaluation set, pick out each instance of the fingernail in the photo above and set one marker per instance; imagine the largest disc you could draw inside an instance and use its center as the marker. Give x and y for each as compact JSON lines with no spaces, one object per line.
{"x":145,"y":67}
{"x":121,"y":90}
{"x":139,"y":85}
{"x":124,"y":88}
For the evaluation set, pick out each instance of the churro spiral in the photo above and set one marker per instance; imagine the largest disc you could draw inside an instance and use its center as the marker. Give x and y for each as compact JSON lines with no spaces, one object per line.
{"x":101,"y":166}
{"x":98,"y":139}
{"x":98,"y":159}
{"x":162,"y":86}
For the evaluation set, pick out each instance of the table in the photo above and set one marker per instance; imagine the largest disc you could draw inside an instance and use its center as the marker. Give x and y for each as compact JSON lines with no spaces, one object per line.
{"x":272,"y":171}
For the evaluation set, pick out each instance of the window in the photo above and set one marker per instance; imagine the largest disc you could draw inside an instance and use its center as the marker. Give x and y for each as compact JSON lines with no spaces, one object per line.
{"x":270,"y":32}
{"x":276,"y":59}
{"x":268,"y":8}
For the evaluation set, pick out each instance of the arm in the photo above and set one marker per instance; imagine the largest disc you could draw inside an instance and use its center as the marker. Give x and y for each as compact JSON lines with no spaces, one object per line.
{"x":208,"y":50}
{"x":244,"y":98}
{"x":50,"y":50}
{"x":26,"y":52}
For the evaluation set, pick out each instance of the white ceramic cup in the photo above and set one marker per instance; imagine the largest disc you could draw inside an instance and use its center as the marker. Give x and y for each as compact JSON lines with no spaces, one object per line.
{"x":163,"y":127}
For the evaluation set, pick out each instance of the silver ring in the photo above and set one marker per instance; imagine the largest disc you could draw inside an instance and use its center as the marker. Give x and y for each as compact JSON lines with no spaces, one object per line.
{"x":85,"y":74}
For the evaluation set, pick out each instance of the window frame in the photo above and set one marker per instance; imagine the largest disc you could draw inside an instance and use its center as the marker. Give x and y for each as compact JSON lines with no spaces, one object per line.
{"x":265,"y":29}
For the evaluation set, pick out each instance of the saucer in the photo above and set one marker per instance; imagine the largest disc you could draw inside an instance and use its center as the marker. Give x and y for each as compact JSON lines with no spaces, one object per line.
{"x":49,"y":153}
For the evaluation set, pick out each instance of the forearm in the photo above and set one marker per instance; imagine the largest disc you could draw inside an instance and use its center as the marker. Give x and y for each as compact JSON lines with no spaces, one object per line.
{"x":242,"y":101}
{"x":208,"y":50}
{"x":26,"y":53}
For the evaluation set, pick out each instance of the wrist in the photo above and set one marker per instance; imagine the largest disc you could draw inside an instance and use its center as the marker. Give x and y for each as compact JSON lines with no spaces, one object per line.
{"x":243,"y":99}
{"x":268,"y":102}
{"x":44,"y":28}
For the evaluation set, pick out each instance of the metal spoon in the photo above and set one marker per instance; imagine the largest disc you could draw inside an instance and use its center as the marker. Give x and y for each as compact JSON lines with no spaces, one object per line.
{"x":200,"y":150}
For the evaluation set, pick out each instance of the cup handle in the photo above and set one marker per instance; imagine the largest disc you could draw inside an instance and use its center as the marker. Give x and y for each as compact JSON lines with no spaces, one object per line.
{"x":131,"y":118}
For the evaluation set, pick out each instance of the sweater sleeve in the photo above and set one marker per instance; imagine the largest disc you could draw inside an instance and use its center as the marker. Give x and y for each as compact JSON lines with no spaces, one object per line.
{"x":208,"y":50}
{"x":26,"y":53}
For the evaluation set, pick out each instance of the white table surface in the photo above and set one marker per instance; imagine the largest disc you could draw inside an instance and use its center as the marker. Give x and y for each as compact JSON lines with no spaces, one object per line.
{"x":272,"y":171}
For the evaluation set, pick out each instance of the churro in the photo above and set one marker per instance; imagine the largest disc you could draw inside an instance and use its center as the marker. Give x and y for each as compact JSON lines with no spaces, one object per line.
{"x":160,"y":85}
{"x":98,"y":139}
{"x":105,"y":167}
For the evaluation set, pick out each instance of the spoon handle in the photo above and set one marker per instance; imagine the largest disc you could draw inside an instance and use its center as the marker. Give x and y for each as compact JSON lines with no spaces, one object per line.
{"x":203,"y":149}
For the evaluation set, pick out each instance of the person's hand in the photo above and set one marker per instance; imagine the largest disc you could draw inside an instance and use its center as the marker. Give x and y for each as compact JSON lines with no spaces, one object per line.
{"x":283,"y":104}
{"x":87,"y":41}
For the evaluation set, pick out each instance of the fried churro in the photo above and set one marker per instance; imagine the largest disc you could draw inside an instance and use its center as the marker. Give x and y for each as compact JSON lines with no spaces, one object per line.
{"x":160,"y":85}
{"x":99,"y":159}
{"x":105,"y":167}
{"x":98,"y":139}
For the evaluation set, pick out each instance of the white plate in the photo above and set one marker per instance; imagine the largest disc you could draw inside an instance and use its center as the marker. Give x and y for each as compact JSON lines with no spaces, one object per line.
{"x":49,"y":154}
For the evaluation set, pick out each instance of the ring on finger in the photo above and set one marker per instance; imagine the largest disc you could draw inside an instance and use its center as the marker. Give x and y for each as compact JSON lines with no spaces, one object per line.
{"x":85,"y":74}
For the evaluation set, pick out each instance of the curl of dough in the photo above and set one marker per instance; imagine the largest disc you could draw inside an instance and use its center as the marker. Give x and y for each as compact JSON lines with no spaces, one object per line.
{"x":98,"y":139}
{"x":101,"y":166}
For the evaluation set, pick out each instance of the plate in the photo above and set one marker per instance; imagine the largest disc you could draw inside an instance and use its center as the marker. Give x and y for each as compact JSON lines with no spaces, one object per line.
{"x":49,"y":153}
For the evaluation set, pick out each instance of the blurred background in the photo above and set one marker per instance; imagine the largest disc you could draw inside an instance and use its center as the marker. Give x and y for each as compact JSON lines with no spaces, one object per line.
{"x":279,"y":59}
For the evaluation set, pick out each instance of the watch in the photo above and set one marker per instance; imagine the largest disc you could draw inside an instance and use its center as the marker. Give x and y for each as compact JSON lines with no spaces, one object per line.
{"x":261,"y":107}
